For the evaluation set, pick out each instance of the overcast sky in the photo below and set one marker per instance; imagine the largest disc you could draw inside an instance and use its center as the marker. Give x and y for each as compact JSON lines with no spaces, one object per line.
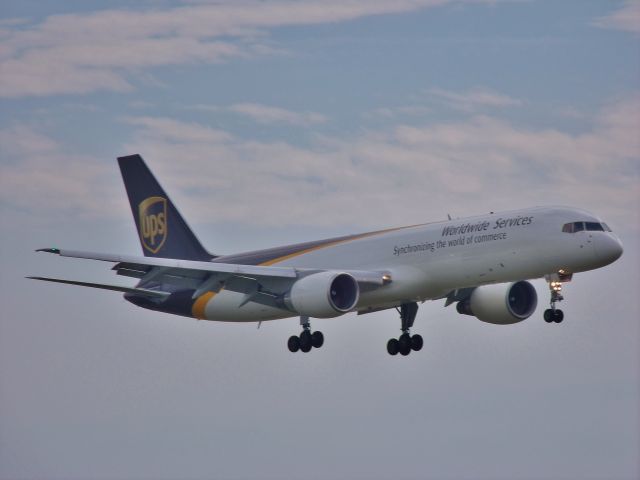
{"x":272,"y":122}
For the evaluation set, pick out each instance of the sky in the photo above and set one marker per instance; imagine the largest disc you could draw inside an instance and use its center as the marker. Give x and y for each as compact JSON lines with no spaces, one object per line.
{"x":273,"y":122}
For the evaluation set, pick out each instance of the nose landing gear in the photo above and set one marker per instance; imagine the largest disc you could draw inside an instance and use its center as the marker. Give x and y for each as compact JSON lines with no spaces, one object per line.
{"x":406,"y":342}
{"x":306,"y":340}
{"x":554,"y":314}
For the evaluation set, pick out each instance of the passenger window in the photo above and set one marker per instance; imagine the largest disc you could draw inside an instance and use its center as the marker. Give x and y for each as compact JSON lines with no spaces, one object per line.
{"x":578,"y":226}
{"x":594,"y":227}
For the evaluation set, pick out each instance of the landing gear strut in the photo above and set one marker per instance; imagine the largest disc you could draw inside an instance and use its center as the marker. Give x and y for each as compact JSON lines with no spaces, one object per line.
{"x":554,"y":314}
{"x":406,"y":342}
{"x":306,"y":340}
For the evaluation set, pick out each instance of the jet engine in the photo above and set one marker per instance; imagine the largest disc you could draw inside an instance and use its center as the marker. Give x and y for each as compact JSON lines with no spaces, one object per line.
{"x":323,"y":295}
{"x":502,"y":303}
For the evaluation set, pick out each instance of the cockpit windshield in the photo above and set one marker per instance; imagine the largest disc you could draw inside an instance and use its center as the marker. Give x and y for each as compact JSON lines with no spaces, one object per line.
{"x":574,"y":227}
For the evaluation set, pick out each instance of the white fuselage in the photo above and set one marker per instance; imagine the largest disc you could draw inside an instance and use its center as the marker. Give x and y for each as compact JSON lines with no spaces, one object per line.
{"x":428,"y":261}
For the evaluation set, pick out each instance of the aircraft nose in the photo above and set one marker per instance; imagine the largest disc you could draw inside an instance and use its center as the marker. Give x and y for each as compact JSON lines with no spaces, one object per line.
{"x":609,"y":248}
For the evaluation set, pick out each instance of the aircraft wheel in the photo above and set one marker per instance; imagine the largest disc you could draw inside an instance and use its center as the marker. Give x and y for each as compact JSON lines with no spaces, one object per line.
{"x":416,"y":343}
{"x":405,"y":341}
{"x":558,"y":316}
{"x":405,"y":348}
{"x":393,"y":346}
{"x":305,"y":341}
{"x":293,"y":344}
{"x":305,"y":337}
{"x":317,"y":339}
{"x":548,"y":315}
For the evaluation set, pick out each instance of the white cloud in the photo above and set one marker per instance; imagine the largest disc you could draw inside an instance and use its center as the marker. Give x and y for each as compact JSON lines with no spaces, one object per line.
{"x":407,"y":174}
{"x":20,"y":140}
{"x":80,"y":53}
{"x":394,"y":112}
{"x":626,"y":18}
{"x":39,"y":177}
{"x":266,"y":114}
{"x":170,"y":130}
{"x":401,"y":175}
{"x":270,"y":115}
{"x":474,"y":99}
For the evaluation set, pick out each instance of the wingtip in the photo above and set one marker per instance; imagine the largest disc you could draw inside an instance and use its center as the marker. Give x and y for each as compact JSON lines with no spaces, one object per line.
{"x":49,"y":250}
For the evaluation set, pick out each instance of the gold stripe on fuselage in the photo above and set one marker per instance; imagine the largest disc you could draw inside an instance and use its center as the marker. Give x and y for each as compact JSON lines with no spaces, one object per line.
{"x":332,"y":243}
{"x":198,"y":308}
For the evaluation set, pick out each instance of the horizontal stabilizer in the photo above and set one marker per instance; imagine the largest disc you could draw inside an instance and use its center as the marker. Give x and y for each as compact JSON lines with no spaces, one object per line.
{"x":117,"y":288}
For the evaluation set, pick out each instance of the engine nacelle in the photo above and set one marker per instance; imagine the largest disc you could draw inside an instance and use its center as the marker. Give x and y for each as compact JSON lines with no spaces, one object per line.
{"x":502,"y":303}
{"x":324,"y":295}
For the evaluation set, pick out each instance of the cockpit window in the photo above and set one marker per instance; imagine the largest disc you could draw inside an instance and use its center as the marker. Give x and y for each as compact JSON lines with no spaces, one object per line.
{"x":594,"y":227}
{"x":581,"y":226}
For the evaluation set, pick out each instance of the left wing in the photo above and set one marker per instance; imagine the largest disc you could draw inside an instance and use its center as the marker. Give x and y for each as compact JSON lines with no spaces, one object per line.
{"x":259,"y":283}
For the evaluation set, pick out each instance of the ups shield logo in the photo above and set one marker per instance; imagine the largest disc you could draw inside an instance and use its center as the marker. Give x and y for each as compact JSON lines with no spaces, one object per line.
{"x":153,"y":223}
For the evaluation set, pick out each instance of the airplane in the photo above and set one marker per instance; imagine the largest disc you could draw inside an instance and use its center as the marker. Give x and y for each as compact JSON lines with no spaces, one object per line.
{"x":480,"y":263}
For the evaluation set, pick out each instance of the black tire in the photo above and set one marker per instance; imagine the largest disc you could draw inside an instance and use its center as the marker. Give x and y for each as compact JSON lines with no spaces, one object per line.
{"x":548,"y":315}
{"x":405,"y":342}
{"x":317,"y":339}
{"x":293,"y":344}
{"x":305,"y":341}
{"x":405,"y":348}
{"x":558,"y":316}
{"x":393,"y":347}
{"x":305,"y":336}
{"x":416,"y":342}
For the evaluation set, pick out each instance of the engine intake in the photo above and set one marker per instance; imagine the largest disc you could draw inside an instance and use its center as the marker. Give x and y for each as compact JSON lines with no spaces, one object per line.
{"x":501,"y":304}
{"x":324,"y":295}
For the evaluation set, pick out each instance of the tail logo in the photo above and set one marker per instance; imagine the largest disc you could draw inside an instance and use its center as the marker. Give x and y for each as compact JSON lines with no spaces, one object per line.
{"x":153,"y":223}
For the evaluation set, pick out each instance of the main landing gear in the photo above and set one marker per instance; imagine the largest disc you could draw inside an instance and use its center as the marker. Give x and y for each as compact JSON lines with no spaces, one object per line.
{"x":554,"y":314}
{"x":406,"y":342}
{"x":306,"y":340}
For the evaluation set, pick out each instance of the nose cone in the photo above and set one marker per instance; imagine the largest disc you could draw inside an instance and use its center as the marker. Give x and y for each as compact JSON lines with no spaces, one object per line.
{"x":609,"y":249}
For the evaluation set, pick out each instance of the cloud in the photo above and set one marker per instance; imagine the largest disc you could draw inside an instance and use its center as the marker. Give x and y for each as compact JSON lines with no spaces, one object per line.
{"x":170,"y":130}
{"x":403,"y":174}
{"x":407,"y":173}
{"x":82,"y":53}
{"x":474,"y":99}
{"x":20,"y":140}
{"x":39,"y":177}
{"x":394,"y":112}
{"x":270,"y":115}
{"x":266,"y":114}
{"x":626,"y":18}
